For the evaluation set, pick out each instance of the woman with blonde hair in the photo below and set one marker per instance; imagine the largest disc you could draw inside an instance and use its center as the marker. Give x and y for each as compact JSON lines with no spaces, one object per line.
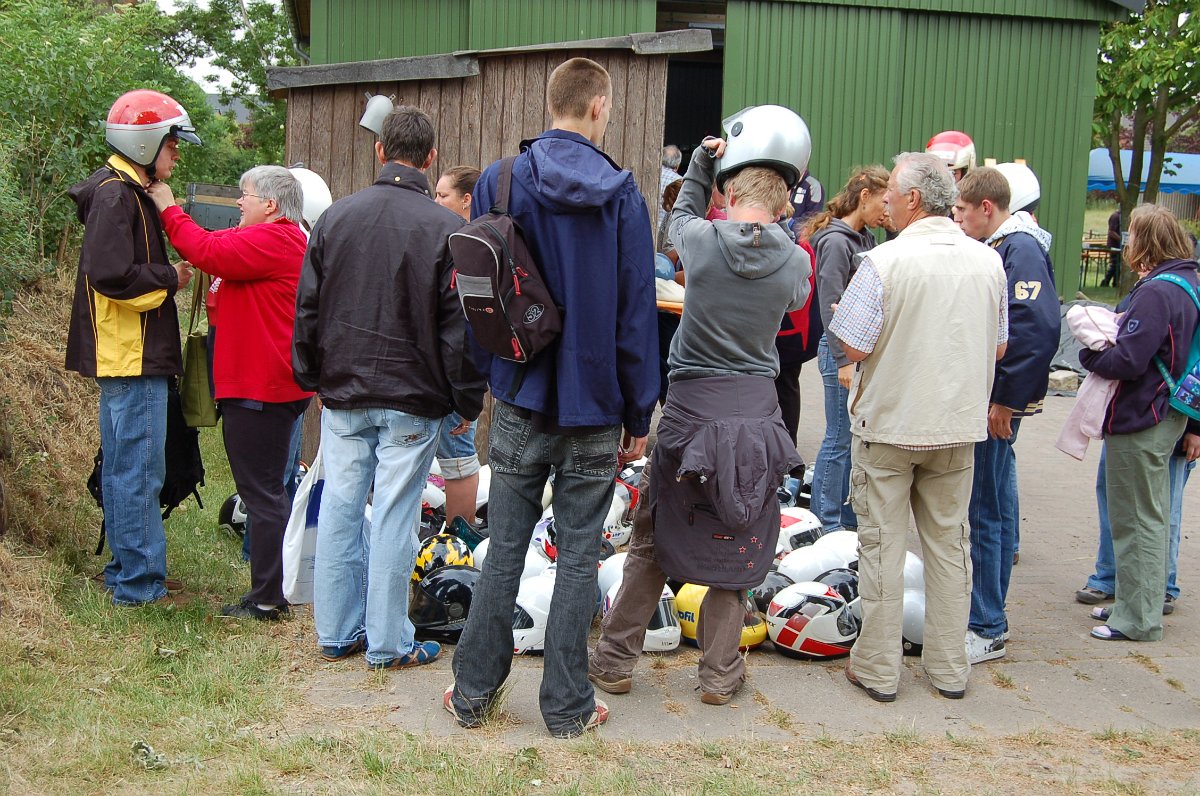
{"x":1140,"y":428}
{"x":839,"y":236}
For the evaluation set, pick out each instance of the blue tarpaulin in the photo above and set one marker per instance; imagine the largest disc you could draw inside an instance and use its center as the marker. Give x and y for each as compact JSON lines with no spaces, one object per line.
{"x":1185,"y":179}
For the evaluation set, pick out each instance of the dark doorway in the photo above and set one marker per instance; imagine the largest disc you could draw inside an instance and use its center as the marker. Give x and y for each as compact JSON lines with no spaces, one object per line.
{"x":694,"y":80}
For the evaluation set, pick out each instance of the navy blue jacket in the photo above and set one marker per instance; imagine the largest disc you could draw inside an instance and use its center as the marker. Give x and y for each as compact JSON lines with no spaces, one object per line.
{"x":588,"y":228}
{"x":1160,"y":318}
{"x":1023,"y":374}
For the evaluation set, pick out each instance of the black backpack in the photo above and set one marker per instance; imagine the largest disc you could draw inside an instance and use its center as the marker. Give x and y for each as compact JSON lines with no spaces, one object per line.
{"x":511,"y":312}
{"x":185,"y":468}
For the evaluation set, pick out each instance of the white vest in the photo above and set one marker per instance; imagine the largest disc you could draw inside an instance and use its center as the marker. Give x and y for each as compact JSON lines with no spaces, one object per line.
{"x":929,"y":379}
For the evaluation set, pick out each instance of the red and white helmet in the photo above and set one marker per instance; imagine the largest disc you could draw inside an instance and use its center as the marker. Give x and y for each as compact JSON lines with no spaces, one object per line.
{"x":811,"y":620}
{"x":141,"y":120}
{"x":955,"y":148}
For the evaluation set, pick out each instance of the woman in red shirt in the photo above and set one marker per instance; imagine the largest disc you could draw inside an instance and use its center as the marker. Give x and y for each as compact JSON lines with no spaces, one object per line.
{"x":259,"y":265}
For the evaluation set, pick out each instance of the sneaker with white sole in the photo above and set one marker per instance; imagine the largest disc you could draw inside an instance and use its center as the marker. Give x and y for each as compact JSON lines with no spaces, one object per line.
{"x":980,"y":649}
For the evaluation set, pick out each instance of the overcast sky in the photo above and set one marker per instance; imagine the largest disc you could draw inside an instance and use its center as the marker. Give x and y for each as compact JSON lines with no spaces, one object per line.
{"x":203,"y":69}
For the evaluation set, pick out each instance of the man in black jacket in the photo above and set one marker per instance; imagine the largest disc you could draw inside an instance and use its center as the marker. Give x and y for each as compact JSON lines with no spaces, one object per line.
{"x":381,"y":337}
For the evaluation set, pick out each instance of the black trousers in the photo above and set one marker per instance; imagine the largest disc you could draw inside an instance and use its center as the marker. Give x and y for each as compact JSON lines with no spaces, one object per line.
{"x":256,"y":442}
{"x":787,"y":387}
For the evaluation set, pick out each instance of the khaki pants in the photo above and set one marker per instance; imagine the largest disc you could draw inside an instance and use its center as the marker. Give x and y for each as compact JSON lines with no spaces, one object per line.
{"x":722,"y":668}
{"x":886,"y":483}
{"x":1138,"y":482}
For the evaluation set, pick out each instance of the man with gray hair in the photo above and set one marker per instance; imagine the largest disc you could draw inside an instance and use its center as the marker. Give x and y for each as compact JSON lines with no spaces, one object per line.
{"x":925,"y":317}
{"x":671,"y":158}
{"x":258,"y":263}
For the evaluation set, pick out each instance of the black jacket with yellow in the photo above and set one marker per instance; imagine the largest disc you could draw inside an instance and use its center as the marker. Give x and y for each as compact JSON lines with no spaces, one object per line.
{"x":123,"y":319}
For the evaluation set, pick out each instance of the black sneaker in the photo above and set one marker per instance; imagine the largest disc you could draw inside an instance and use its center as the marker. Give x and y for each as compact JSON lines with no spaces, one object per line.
{"x":250,"y":610}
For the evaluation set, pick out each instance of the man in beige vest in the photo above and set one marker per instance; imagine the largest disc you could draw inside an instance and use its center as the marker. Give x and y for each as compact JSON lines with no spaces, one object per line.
{"x":925,"y":318}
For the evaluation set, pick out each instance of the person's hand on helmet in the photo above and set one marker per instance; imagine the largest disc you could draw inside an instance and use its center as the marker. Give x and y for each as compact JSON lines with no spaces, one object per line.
{"x":160,"y":192}
{"x":716,"y":145}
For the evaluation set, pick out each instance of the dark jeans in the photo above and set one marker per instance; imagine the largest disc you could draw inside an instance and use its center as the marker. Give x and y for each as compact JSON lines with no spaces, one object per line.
{"x":257,"y":442}
{"x":994,"y":520}
{"x":521,"y":460}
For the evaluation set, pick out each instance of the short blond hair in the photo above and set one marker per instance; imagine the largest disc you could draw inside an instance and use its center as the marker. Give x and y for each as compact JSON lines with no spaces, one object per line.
{"x":573,"y":85}
{"x":758,"y":186}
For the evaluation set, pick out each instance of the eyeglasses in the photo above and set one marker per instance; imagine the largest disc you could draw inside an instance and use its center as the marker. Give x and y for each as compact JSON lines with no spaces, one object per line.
{"x":256,"y":196}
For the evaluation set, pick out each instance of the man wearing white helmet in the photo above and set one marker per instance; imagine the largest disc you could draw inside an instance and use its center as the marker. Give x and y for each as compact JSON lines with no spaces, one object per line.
{"x":1018,"y":390}
{"x":124,"y":332}
{"x":918,"y":403}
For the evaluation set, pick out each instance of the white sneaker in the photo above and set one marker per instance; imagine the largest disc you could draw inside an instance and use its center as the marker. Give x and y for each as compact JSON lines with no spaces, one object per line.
{"x":980,"y":649}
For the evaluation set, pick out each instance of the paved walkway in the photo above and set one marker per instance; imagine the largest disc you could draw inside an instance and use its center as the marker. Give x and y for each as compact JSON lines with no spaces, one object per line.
{"x":1054,"y":675}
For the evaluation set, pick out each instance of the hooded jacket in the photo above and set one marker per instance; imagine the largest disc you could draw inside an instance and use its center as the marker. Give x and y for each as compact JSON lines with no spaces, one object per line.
{"x":378,"y":323}
{"x":1159,"y":319}
{"x":741,"y":279}
{"x":588,"y":228}
{"x":1023,"y":375}
{"x":123,"y":318}
{"x":836,"y":247}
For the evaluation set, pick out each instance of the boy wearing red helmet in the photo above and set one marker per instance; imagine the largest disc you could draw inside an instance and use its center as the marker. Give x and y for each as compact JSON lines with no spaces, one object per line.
{"x":124,"y":332}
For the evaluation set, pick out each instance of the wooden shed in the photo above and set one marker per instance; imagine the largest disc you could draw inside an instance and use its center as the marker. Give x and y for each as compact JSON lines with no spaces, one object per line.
{"x":483,"y":104}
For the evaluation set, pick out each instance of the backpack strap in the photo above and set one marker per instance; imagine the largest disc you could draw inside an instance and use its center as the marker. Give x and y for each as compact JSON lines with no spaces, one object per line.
{"x":504,"y":185}
{"x":1191,"y":291}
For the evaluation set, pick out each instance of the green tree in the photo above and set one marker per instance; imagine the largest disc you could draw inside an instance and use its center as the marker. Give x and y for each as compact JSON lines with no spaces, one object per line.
{"x":1148,"y":72}
{"x":244,"y":38}
{"x":64,"y":62}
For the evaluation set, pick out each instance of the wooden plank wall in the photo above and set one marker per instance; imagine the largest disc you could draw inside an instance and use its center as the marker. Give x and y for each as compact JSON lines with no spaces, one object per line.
{"x":482,"y":118}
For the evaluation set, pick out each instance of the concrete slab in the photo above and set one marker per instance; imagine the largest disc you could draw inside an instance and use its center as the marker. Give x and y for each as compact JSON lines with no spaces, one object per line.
{"x":1055,"y":675}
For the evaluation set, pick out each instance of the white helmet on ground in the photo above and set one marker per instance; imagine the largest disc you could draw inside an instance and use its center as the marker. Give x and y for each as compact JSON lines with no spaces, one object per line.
{"x":611,"y":571}
{"x":807,"y":563}
{"x":843,"y":544}
{"x":662,"y":631}
{"x":914,"y":571}
{"x":532,"y":611}
{"x":913,"y":623}
{"x":797,"y":528}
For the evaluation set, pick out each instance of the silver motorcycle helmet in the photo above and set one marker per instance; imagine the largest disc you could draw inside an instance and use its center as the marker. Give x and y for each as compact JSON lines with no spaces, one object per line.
{"x":765,"y":135}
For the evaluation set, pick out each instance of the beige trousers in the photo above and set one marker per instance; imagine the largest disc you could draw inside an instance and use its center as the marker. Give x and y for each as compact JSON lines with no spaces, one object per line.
{"x":888,"y":483}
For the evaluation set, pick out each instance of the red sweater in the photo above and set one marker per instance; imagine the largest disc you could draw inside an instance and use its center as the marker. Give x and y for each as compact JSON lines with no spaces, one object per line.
{"x":260,"y":268}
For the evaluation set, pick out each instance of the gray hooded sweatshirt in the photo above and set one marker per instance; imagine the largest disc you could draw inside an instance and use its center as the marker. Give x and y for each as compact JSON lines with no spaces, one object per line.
{"x":741,"y":279}
{"x":837,"y":247}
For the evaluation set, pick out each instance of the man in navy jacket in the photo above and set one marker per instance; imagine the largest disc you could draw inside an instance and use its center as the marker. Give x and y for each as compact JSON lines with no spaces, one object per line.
{"x":588,"y":229}
{"x":1018,"y":391}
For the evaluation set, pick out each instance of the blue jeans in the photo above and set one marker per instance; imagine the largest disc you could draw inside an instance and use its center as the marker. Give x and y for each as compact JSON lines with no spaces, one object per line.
{"x":289,"y":477}
{"x":362,"y":571}
{"x":456,"y":455}
{"x":993,"y":519}
{"x":585,"y":469}
{"x":1105,"y":576}
{"x":831,"y":473}
{"x":133,"y":434}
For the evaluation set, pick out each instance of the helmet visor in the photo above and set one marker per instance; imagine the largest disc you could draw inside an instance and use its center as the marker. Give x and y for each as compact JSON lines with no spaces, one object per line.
{"x":664,"y":615}
{"x":186,"y":133}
